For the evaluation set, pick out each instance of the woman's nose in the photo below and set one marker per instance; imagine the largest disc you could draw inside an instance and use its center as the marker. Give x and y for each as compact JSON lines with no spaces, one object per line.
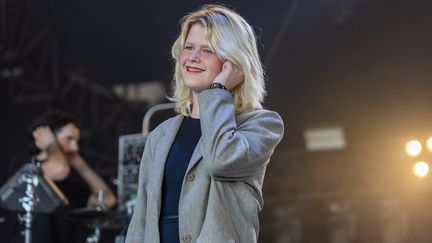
{"x":74,"y":146}
{"x":194,"y":57}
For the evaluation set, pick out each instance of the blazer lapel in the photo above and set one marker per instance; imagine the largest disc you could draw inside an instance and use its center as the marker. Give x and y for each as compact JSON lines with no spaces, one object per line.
{"x":196,"y":156}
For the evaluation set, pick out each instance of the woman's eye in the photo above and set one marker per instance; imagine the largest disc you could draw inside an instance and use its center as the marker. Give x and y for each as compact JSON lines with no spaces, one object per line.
{"x":188,"y":48}
{"x":208,"y":51}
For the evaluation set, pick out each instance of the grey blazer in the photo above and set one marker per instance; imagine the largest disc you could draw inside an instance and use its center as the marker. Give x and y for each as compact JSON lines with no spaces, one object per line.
{"x":221,"y":192}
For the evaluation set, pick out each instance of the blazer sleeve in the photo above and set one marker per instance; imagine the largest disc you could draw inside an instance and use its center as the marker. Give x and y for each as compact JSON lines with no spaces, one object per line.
{"x":235,"y":151}
{"x":137,"y":223}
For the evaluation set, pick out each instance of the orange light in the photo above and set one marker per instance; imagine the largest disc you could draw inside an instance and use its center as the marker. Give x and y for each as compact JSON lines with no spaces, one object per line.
{"x":429,"y":144}
{"x":413,"y":148}
{"x":421,"y":169}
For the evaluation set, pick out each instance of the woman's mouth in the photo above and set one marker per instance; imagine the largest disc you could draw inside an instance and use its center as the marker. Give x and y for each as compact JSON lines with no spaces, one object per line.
{"x":194,"y":69}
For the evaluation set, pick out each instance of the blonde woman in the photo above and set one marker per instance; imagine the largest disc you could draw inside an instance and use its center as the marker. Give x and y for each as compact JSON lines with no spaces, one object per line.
{"x":202,"y":171}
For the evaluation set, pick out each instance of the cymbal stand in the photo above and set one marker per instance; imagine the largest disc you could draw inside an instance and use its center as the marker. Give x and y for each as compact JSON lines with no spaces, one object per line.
{"x":95,"y":237}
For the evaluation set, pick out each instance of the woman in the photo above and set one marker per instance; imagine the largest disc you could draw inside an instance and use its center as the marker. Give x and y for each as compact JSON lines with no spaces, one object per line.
{"x":55,"y":137}
{"x":202,"y":171}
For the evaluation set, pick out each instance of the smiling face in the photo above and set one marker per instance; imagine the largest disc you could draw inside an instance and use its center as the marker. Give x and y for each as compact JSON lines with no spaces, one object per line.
{"x":199,"y":63}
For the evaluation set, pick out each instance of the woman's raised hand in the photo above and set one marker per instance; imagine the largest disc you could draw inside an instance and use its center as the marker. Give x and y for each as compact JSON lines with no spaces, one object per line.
{"x":230,"y":76}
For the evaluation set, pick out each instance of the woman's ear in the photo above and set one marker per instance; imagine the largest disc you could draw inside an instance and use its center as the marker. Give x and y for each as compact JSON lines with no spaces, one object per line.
{"x":34,"y":133}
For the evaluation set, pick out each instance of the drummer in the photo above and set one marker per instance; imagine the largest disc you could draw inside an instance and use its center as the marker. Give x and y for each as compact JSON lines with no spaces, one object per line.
{"x":55,"y":137}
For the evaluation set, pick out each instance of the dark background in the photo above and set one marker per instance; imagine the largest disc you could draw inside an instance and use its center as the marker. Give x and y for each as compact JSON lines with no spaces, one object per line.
{"x":364,"y":65}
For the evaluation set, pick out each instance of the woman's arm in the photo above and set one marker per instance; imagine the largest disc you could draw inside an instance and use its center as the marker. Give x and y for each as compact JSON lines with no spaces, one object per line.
{"x":94,"y":181}
{"x":56,"y":166}
{"x":235,"y":151}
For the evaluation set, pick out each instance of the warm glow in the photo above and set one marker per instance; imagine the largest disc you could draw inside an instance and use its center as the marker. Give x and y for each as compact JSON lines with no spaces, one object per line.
{"x":429,"y":143}
{"x":421,"y":169}
{"x":413,"y":148}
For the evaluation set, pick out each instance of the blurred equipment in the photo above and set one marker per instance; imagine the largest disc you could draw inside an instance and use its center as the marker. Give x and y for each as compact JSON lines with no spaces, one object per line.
{"x":98,"y":218}
{"x":324,"y":138}
{"x":29,"y":192}
{"x":151,"y":92}
{"x":131,"y":148}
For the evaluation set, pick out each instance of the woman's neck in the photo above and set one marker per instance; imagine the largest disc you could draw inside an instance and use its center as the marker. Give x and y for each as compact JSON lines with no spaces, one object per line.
{"x":195,"y":107}
{"x":42,"y":156}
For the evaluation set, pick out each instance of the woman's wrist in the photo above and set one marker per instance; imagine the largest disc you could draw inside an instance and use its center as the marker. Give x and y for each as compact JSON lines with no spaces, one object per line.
{"x":51,"y":147}
{"x":217,"y":86}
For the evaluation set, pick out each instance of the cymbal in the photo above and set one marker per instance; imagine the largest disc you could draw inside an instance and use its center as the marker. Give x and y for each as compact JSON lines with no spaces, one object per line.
{"x":95,"y":217}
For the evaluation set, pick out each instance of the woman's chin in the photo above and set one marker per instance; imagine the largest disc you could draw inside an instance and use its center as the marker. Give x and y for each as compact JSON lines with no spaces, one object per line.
{"x":196,"y":88}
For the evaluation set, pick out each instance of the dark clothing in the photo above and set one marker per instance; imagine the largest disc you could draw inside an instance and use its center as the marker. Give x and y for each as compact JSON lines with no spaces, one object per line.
{"x":175,"y":169}
{"x":169,"y":230}
{"x":55,"y":227}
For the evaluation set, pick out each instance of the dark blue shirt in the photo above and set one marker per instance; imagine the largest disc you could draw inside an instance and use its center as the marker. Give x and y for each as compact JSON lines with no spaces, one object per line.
{"x":176,"y":164}
{"x":175,"y":168}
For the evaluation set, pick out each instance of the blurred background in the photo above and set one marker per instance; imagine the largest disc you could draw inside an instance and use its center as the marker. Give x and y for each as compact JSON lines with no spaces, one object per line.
{"x":352,"y":80}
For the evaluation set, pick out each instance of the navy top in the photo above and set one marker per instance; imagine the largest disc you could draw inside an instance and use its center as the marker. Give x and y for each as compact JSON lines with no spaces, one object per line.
{"x":176,"y":164}
{"x":175,"y":168}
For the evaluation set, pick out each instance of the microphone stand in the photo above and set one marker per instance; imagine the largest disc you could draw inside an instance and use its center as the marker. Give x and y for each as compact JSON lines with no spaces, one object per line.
{"x":29,"y":200}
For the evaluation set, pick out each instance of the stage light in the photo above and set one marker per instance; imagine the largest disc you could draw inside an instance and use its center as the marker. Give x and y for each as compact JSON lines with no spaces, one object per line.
{"x":429,"y":144}
{"x":421,"y":169}
{"x":413,"y":148}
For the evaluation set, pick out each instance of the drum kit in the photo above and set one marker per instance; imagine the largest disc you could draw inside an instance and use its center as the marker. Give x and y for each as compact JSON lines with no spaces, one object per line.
{"x":98,"y":218}
{"x":28,"y":192}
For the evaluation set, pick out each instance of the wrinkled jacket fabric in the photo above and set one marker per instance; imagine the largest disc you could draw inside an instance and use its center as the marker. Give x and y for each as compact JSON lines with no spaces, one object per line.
{"x":221,"y":192}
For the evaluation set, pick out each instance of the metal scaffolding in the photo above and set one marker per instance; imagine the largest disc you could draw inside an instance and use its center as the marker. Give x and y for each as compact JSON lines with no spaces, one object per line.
{"x":40,"y":76}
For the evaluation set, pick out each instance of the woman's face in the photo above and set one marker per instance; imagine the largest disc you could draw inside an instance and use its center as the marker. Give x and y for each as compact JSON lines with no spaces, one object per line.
{"x":68,"y":137}
{"x":198,"y":62}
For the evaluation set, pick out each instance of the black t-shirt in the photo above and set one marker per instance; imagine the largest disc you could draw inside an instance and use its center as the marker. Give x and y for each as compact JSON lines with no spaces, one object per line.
{"x":55,"y":227}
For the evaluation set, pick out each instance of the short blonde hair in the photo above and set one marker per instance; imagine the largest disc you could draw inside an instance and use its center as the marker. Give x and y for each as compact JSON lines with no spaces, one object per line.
{"x":233,"y":39}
